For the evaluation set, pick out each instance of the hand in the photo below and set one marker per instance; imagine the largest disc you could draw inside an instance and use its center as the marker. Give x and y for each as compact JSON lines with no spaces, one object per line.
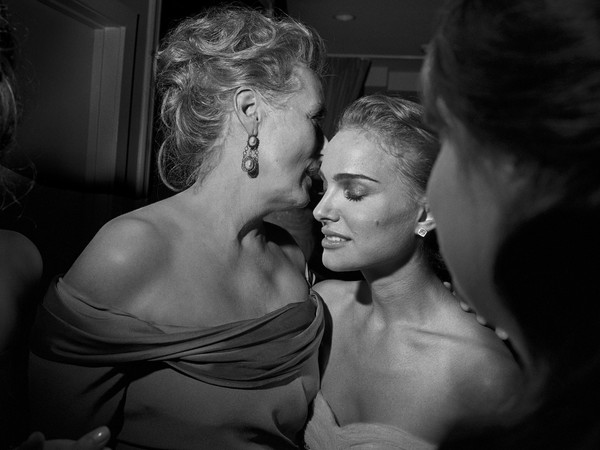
{"x":464,"y":306}
{"x":94,"y":440}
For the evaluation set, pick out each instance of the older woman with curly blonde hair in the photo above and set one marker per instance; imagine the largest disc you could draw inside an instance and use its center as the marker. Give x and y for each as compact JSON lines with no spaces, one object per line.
{"x":189,"y":323}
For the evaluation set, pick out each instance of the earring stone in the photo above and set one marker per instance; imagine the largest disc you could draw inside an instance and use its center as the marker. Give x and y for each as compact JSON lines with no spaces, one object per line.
{"x":250,"y":156}
{"x":252,"y":141}
{"x":422,"y":232}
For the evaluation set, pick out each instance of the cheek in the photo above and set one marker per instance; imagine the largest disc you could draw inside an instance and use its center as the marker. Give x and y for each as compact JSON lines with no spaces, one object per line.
{"x":306,"y":149}
{"x":374,"y":217}
{"x":448,"y":209}
{"x":294,"y":143}
{"x":386,"y":223}
{"x":391,"y":231}
{"x":464,"y":228}
{"x":437,"y":193}
{"x":444,"y":197}
{"x":314,"y":140}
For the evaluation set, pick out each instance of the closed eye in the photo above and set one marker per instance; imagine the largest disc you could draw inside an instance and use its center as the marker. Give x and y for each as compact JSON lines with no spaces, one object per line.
{"x":354,"y":194}
{"x":318,"y":117}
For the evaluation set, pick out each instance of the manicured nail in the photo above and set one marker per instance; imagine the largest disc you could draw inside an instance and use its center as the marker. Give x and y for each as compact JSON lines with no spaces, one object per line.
{"x":501,"y":334}
{"x":101,"y":434}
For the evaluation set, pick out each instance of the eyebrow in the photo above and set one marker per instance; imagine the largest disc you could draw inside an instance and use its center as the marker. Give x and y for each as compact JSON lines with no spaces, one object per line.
{"x":351,"y":176}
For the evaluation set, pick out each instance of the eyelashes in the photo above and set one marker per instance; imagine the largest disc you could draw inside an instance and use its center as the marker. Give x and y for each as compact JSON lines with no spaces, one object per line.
{"x":353,"y":196}
{"x":318,"y":118}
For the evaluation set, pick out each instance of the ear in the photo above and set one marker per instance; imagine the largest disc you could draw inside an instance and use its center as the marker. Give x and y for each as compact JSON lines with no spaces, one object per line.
{"x":246,"y":105}
{"x":426,"y":222}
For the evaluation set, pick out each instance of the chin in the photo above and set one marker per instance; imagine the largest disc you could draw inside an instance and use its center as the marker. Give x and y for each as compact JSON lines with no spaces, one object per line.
{"x":303,"y":199}
{"x":304,"y":202}
{"x":337,"y":266}
{"x":293,"y":200}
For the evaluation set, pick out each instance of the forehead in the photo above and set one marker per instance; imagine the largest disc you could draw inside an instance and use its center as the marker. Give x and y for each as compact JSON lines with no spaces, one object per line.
{"x":356,"y":151}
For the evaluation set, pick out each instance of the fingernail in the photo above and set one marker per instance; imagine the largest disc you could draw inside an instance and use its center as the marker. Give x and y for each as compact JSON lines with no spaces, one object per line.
{"x":501,"y":333}
{"x":101,"y":434}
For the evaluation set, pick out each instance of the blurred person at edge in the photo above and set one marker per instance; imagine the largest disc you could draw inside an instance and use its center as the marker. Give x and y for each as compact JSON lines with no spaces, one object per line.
{"x":513,"y":89}
{"x":20,"y":274}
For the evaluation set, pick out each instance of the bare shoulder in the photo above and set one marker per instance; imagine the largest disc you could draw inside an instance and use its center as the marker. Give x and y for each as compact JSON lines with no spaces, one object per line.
{"x":469,"y":383}
{"x":20,"y":275}
{"x":486,"y":372}
{"x":20,"y":256}
{"x":125,"y":253}
{"x":488,"y":378}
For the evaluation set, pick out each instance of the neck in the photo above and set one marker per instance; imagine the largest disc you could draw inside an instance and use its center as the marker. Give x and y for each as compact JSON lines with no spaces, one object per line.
{"x":226,"y":209}
{"x":409,"y":293}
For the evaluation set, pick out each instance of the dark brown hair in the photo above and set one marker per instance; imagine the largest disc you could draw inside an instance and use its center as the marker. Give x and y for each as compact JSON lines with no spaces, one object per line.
{"x":523,"y":77}
{"x":398,"y":126}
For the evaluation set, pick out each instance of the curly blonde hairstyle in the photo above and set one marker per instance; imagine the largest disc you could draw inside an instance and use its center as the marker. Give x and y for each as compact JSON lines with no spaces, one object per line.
{"x":201,"y":64}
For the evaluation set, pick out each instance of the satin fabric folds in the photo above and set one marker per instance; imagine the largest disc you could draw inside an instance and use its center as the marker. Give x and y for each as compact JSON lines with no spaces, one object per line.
{"x":245,"y":384}
{"x":324,"y":433}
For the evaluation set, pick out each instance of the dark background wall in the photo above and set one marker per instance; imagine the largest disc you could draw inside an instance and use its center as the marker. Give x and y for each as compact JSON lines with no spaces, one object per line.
{"x":60,"y":205}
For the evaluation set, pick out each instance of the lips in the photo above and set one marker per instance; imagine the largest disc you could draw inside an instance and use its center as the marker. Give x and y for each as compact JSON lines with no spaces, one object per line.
{"x":333,"y":240}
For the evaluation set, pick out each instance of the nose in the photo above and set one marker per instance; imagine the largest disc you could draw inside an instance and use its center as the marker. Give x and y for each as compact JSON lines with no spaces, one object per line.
{"x":325,"y":210}
{"x":322,"y":140}
{"x":320,"y":149}
{"x":317,"y":158}
{"x":323,"y":146}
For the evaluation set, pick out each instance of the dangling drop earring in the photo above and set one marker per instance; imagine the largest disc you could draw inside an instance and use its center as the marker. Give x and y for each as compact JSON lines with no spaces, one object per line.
{"x":250,"y":157}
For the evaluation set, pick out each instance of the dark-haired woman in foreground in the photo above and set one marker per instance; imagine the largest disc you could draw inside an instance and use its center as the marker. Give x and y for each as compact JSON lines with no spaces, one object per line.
{"x":404,"y":366}
{"x":513,"y":88}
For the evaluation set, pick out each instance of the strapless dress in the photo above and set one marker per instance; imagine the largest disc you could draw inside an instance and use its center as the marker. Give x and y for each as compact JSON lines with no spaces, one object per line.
{"x":324,"y":433}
